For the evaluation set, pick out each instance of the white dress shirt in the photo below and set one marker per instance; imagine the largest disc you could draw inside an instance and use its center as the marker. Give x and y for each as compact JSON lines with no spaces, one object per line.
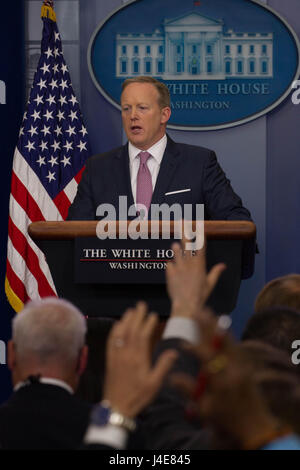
{"x":48,"y":381}
{"x":182,"y":328}
{"x":157,"y":151}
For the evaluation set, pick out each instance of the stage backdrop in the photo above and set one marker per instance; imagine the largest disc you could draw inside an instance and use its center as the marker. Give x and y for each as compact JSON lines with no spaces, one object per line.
{"x":261,"y":157}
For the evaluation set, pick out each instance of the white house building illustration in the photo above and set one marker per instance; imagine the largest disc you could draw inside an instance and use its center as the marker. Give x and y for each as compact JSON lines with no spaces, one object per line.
{"x":194,"y":46}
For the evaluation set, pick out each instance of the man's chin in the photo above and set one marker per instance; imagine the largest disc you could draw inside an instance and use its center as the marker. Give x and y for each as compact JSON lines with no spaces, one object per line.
{"x":136,"y":141}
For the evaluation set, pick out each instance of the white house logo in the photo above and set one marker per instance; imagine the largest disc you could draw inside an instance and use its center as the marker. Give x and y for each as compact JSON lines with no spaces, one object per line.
{"x":225,"y":63}
{"x":195,"y":47}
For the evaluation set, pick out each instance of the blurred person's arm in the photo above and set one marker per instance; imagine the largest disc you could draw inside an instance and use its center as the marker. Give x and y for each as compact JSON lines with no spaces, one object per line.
{"x":189,"y":286}
{"x":131,"y":381}
{"x":225,"y":395}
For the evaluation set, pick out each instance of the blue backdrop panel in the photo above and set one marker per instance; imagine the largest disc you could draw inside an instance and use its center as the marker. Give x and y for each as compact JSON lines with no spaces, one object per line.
{"x":102,"y":119}
{"x":283,"y":174}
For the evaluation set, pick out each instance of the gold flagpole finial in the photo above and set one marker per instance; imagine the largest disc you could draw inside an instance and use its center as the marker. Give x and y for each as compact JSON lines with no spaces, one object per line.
{"x":47,"y":10}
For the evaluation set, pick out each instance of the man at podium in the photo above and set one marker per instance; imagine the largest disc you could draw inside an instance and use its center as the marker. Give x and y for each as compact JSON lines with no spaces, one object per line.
{"x":151,"y":168}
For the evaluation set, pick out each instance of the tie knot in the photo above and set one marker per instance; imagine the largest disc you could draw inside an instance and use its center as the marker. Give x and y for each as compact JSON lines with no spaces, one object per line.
{"x":144,"y":156}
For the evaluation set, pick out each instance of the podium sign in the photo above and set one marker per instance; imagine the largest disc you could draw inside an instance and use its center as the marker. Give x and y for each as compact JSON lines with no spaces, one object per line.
{"x":82,"y":269}
{"x":118,"y":261}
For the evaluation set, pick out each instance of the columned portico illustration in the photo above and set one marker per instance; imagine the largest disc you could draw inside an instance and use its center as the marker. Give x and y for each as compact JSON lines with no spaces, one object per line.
{"x":195,"y":47}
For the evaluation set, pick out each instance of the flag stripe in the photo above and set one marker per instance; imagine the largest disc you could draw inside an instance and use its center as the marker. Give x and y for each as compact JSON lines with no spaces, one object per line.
{"x":71,"y":190}
{"x":62,"y":203}
{"x":79,"y":175}
{"x":22,"y":271}
{"x":35,"y":187}
{"x":24,"y":198}
{"x":20,"y":244}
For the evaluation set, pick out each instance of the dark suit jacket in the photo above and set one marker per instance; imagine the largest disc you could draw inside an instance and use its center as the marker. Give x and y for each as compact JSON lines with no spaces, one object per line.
{"x":164,"y":424}
{"x":42,"y":416}
{"x":183,"y":166}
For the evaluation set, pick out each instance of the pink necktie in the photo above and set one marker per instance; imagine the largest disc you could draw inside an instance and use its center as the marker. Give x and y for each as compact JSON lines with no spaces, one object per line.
{"x":144,"y":182}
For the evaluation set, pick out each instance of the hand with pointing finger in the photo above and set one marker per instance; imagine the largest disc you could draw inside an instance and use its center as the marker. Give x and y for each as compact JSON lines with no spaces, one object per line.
{"x":189,"y":285}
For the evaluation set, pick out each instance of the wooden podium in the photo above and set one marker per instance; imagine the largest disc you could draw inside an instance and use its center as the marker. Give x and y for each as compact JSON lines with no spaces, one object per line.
{"x":231,"y":242}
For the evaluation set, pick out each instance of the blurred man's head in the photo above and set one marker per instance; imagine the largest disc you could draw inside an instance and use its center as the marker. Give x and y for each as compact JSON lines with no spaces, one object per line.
{"x":146,"y":110}
{"x":277,"y":379}
{"x":48,"y":339}
{"x":278,"y":327}
{"x":280,"y":292}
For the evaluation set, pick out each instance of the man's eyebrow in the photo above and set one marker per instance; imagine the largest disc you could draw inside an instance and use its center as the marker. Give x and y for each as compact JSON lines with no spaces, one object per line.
{"x":137,"y":104}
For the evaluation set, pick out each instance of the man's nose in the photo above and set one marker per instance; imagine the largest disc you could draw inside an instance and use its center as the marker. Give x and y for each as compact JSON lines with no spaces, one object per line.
{"x":133,"y":114}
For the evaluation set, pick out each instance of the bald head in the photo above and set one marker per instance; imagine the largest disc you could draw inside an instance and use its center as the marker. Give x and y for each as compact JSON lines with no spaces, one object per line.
{"x":49,"y":329}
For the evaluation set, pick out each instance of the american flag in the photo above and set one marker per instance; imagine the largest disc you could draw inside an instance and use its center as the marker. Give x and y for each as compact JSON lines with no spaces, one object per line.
{"x":48,"y":163}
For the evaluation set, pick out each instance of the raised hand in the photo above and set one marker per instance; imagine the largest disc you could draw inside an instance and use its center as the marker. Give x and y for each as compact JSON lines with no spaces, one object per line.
{"x":189,"y":285}
{"x":131,"y":381}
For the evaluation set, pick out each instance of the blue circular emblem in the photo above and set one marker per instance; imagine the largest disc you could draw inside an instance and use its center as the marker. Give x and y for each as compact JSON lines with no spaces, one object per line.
{"x":225,"y":63}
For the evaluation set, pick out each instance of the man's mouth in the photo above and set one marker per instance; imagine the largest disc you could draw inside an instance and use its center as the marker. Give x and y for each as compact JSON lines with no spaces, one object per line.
{"x":135,"y":129}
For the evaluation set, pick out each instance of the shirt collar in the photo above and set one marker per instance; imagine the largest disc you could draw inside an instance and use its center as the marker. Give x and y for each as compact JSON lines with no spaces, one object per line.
{"x":48,"y":381}
{"x":157,"y":150}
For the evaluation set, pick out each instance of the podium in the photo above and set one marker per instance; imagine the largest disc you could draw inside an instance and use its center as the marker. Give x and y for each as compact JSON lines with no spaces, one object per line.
{"x":231,"y":242}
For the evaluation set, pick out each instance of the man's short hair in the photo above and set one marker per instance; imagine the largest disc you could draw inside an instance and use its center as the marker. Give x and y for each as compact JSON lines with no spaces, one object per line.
{"x":276,"y":377}
{"x":163,"y":91}
{"x":278,"y":327}
{"x":283,"y":291}
{"x":49,"y":328}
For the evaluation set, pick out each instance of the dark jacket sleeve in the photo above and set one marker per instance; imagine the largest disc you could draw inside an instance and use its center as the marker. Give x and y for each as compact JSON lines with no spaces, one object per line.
{"x":221,"y":202}
{"x":164,"y":424}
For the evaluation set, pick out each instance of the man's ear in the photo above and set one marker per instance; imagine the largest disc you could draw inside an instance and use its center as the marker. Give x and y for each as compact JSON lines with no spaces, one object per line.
{"x":82,"y":360}
{"x":165,"y":115}
{"x":11,"y":355}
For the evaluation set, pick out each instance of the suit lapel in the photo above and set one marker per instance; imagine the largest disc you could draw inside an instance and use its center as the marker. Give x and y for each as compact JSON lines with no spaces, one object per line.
{"x":166,"y":173}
